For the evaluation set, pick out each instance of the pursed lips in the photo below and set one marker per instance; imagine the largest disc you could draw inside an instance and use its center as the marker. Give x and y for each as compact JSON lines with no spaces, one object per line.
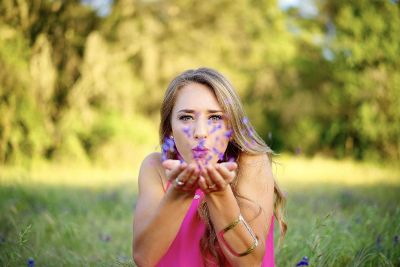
{"x":200,"y":151}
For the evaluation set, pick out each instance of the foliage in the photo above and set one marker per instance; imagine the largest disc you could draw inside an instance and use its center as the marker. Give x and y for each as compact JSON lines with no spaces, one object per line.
{"x":327,"y":83}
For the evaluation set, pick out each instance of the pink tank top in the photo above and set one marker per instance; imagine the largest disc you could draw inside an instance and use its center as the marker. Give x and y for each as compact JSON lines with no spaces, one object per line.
{"x":185,"y":249}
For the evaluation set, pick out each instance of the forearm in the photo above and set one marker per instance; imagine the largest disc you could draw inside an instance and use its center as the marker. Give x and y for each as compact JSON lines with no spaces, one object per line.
{"x":224,"y":209}
{"x":153,"y":237}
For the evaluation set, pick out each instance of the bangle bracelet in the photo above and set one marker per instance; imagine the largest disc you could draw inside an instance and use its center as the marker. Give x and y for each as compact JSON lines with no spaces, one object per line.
{"x":232,"y":225}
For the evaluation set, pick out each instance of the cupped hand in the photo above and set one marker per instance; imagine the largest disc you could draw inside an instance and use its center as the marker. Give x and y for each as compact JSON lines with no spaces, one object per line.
{"x":182,"y":176}
{"x":214,"y":178}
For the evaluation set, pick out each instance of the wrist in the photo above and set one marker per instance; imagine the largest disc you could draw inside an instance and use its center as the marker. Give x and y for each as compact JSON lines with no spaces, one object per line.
{"x":220,"y":194}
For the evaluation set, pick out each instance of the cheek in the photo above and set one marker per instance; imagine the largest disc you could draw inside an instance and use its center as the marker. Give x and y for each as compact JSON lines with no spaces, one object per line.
{"x":182,"y":144}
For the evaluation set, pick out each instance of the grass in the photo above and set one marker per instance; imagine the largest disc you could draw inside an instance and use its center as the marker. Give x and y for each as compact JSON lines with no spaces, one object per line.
{"x":339,"y":213}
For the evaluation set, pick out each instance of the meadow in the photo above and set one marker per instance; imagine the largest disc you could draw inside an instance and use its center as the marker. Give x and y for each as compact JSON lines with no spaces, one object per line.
{"x":339,"y":213}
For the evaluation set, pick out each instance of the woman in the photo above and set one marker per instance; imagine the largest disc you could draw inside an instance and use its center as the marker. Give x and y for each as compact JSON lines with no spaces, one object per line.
{"x":210,"y":198}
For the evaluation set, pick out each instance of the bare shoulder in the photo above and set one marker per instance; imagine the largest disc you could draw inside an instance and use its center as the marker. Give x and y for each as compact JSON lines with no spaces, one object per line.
{"x":153,"y":160}
{"x":151,"y":171}
{"x":254,"y":168}
{"x":255,"y":178}
{"x":246,"y":159}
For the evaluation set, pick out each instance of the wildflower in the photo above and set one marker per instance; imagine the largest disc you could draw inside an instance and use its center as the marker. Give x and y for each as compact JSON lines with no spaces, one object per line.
{"x":31,"y":262}
{"x":303,"y":262}
{"x":228,"y":134}
{"x":104,"y":237}
{"x":216,"y":151}
{"x":217,"y":127}
{"x":170,"y":143}
{"x":208,"y":159}
{"x":201,"y":143}
{"x":186,"y":130}
{"x":378,"y":242}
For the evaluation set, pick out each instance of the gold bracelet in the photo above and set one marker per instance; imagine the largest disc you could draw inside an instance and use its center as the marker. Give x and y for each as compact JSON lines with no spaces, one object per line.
{"x":232,"y":225}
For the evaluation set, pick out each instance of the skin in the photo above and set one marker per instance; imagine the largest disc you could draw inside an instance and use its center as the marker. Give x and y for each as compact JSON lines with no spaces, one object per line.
{"x":197,"y":109}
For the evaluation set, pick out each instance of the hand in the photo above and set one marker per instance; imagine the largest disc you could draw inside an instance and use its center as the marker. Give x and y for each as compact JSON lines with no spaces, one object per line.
{"x":217,"y":177}
{"x":182,"y":176}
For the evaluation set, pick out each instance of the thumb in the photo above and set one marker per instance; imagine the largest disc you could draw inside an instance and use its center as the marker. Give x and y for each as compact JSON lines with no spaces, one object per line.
{"x":170,"y":164}
{"x":231,"y":166}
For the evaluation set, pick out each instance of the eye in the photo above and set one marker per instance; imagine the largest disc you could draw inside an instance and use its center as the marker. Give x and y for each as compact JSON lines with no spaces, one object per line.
{"x":185,"y":117}
{"x":216,"y":117}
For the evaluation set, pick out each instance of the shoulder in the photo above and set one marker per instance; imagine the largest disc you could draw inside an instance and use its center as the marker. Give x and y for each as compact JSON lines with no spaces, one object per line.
{"x":153,"y":160}
{"x":151,"y":171}
{"x":255,"y":176}
{"x":254,"y":167}
{"x":253,"y":159}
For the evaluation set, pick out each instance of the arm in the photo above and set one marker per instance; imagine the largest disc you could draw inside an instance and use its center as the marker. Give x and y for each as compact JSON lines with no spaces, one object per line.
{"x":255,"y":182}
{"x":158,"y":215}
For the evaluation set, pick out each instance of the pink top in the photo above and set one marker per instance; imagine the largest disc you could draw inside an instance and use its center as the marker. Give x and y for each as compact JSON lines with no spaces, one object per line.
{"x":185,"y":249}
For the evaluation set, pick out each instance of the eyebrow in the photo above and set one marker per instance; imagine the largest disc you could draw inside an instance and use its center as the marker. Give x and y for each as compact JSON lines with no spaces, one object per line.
{"x":193,"y":111}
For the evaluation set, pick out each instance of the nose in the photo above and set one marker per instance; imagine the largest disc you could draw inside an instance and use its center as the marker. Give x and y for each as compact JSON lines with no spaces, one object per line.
{"x":200,"y":130}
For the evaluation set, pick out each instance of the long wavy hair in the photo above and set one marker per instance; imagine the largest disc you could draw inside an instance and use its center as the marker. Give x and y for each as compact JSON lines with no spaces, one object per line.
{"x":244,"y":140}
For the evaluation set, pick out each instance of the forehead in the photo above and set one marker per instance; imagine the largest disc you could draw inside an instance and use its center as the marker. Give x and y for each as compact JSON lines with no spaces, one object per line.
{"x":197,"y":97}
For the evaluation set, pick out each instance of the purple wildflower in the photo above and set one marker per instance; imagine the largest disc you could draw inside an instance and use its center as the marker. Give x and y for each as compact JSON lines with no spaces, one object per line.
{"x":378,"y":242}
{"x":201,"y":143}
{"x":246,"y":143}
{"x":186,"y":130}
{"x":303,"y":262}
{"x":216,"y":151}
{"x":231,"y":159}
{"x":31,"y":262}
{"x":105,"y":237}
{"x":167,"y":146}
{"x":245,"y":120}
{"x":170,"y":142}
{"x":215,"y":128}
{"x":208,"y":159}
{"x":228,"y":134}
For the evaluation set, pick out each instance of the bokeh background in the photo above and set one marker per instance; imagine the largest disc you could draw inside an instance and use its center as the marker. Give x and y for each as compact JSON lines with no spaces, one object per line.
{"x":81,"y":84}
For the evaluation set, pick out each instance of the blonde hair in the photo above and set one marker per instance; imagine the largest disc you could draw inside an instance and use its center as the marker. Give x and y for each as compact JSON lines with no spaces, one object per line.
{"x":244,"y":140}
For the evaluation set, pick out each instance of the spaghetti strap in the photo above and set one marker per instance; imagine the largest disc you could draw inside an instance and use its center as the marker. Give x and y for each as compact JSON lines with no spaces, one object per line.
{"x":168,"y":185}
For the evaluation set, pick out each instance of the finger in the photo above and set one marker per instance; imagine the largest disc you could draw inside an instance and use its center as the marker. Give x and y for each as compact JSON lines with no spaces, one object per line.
{"x":176,"y":171}
{"x":227,"y":175}
{"x":207,"y":177}
{"x":231,"y":166}
{"x":170,"y":164}
{"x":183,"y":177}
{"x":203,"y":185}
{"x":216,"y":179}
{"x":191,"y":183}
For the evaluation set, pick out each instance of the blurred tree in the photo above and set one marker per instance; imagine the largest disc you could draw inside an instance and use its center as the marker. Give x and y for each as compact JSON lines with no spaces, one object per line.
{"x":364,"y":91}
{"x":73,"y":84}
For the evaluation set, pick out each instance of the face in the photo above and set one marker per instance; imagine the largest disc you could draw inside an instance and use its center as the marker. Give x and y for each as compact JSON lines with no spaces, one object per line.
{"x":199,"y":125}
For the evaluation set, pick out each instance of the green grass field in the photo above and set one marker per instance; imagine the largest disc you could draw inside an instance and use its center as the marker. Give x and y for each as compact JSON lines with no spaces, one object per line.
{"x":339,"y":213}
